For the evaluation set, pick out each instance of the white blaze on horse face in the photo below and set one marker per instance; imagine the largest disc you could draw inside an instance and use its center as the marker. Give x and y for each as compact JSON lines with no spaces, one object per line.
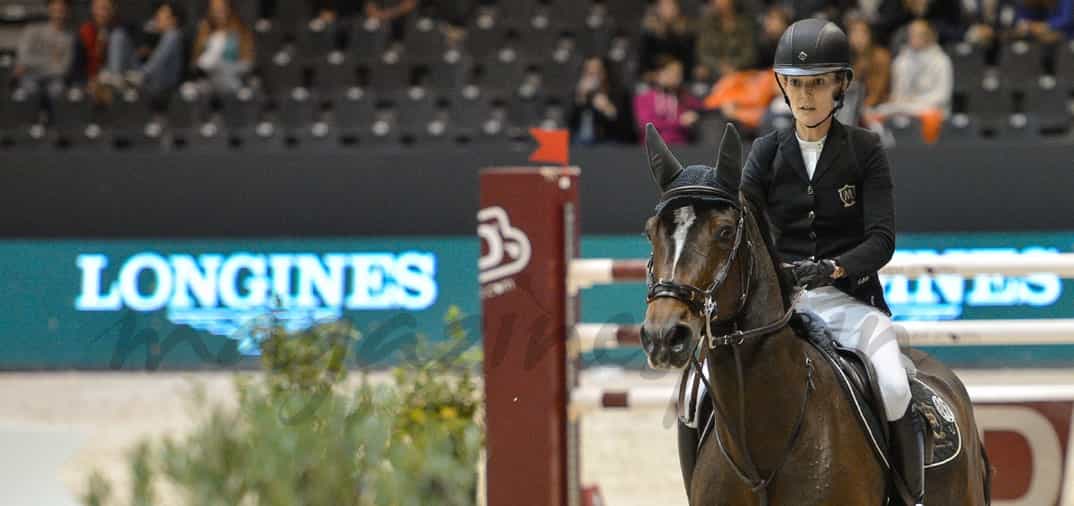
{"x":684,"y":219}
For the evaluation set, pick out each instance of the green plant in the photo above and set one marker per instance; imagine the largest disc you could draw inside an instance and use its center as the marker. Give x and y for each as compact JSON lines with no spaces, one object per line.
{"x":298,"y":436}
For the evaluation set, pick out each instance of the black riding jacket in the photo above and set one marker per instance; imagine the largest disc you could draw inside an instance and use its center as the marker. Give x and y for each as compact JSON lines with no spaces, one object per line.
{"x":846,"y":212}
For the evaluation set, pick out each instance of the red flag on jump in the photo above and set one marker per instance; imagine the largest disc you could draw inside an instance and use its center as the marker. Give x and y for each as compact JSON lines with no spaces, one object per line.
{"x":553,"y":146}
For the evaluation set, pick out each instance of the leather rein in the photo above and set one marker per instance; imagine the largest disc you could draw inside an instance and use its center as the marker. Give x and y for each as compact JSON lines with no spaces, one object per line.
{"x":704,"y":304}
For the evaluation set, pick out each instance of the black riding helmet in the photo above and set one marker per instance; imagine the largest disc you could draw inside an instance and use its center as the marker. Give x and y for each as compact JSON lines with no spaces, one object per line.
{"x":811,"y":47}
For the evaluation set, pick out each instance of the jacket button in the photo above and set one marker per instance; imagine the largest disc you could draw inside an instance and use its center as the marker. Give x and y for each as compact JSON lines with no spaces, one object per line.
{"x":812,"y":215}
{"x":809,"y":189}
{"x":812,"y":235}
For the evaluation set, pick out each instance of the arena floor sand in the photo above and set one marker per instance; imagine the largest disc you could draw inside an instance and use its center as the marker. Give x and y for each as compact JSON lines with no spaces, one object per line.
{"x":55,"y":428}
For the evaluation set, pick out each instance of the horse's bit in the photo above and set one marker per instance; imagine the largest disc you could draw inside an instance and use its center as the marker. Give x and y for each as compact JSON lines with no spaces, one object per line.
{"x":703,"y":302}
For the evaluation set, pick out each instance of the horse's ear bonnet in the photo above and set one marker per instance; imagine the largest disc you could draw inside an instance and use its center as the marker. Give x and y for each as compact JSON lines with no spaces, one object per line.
{"x":696,"y":182}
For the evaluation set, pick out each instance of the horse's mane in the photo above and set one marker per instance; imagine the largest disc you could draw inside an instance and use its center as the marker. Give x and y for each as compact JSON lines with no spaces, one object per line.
{"x":760,"y":218}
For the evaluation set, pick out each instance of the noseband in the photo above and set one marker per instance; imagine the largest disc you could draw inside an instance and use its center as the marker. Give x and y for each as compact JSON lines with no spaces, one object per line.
{"x":704,"y":304}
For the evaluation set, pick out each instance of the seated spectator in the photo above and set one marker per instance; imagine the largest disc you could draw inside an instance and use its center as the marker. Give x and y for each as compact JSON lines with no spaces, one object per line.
{"x":894,"y":17}
{"x":600,"y":111}
{"x":776,"y":20}
{"x":163,"y":70}
{"x":922,"y":82}
{"x":224,"y":47}
{"x":665,"y":31}
{"x":667,"y":106}
{"x":391,"y":11}
{"x":45,"y":51}
{"x":743,"y":97}
{"x":725,"y":41}
{"x":988,"y":20}
{"x":1048,"y":21}
{"x":105,"y":48}
{"x":872,"y":63}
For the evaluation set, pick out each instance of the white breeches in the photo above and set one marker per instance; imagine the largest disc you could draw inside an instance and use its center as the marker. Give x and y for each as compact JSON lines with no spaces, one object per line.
{"x":858,"y":325}
{"x":855,"y":325}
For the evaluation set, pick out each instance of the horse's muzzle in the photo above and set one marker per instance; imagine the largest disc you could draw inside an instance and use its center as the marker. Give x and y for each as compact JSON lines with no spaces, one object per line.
{"x":668,"y":346}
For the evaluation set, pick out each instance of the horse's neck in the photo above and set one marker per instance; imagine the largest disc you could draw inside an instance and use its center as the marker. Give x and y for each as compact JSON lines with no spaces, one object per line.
{"x":773,"y":369}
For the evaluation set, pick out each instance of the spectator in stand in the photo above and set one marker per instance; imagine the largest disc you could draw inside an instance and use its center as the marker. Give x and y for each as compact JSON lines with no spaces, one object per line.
{"x":776,"y":19}
{"x":163,"y":70}
{"x":600,"y":111}
{"x":872,"y":62}
{"x":105,"y":50}
{"x":667,"y":106}
{"x":922,"y":82}
{"x":894,"y":16}
{"x":725,"y":41}
{"x":453,"y":15}
{"x":224,"y":47}
{"x":332,"y":15}
{"x":665,"y":31}
{"x":988,"y":20}
{"x":391,"y":11}
{"x":1048,"y":21}
{"x":45,"y":51}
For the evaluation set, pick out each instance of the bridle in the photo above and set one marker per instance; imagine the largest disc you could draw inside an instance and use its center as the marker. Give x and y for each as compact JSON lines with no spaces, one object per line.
{"x":704,"y":304}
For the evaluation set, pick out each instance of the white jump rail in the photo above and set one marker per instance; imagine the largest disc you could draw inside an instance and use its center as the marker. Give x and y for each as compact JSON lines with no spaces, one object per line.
{"x":588,"y":337}
{"x":589,"y":398}
{"x":589,"y":272}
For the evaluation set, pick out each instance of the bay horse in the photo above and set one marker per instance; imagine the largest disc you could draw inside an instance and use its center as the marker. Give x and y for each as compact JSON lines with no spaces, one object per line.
{"x":784,"y":431}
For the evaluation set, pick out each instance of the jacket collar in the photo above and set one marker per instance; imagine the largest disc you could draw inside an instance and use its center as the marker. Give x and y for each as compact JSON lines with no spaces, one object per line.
{"x":833,"y":147}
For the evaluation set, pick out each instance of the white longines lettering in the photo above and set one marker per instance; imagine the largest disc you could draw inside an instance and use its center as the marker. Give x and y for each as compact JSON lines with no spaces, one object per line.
{"x":356,"y":281}
{"x":946,"y":296}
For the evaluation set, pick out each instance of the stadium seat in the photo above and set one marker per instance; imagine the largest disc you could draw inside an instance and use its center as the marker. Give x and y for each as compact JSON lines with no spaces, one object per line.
{"x":447,"y":72}
{"x":6,"y":64}
{"x":352,"y":111}
{"x":415,"y":108}
{"x":389,"y":74}
{"x":242,"y":117}
{"x":1022,"y":63}
{"x":299,"y":117}
{"x":627,"y":14}
{"x":21,"y":121}
{"x":517,"y":13}
{"x":539,"y":36}
{"x":504,"y":72}
{"x":1064,"y":66}
{"x":383,"y":129}
{"x":990,"y":104}
{"x":595,"y":38}
{"x":315,"y":40}
{"x":1019,"y":127}
{"x":560,"y":74}
{"x":968,"y":62}
{"x":478,"y":115}
{"x":905,"y":128}
{"x":959,"y":127}
{"x":189,"y":121}
{"x":569,"y":14}
{"x":486,"y":35}
{"x":282,"y":74}
{"x":334,"y":72}
{"x":424,"y":42}
{"x":1047,"y":106}
{"x":368,"y":39}
{"x":268,"y":40}
{"x":76,"y":121}
{"x":132,"y":122}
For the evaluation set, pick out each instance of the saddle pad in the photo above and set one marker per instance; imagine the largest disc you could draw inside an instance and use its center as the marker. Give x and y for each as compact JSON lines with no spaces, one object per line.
{"x":943,"y":426}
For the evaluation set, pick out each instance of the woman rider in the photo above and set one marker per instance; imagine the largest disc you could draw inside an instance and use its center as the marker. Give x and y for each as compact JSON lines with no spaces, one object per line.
{"x":827,"y":189}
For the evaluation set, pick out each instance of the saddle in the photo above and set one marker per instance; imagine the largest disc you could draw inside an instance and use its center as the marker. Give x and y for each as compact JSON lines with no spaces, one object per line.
{"x":943,"y":441}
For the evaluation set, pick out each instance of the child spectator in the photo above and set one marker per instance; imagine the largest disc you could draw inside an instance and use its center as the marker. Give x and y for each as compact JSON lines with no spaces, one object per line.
{"x":672,"y":111}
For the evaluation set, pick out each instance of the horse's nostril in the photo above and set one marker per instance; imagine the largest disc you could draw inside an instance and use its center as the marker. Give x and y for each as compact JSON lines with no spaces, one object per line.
{"x":647,"y":341}
{"x":679,"y":338}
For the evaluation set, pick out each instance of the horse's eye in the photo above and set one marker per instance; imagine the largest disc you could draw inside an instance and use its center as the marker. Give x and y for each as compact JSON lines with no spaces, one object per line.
{"x":726,"y":234}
